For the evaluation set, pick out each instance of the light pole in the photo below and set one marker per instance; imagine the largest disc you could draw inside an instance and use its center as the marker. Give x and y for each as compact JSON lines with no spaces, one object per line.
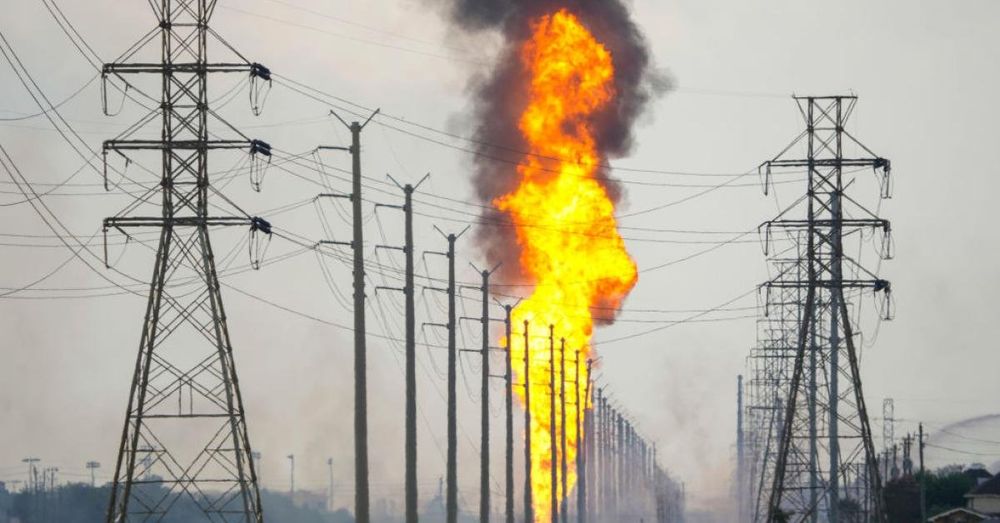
{"x":291,"y":487}
{"x":329,"y":499}
{"x":31,"y":472}
{"x":92,"y":466}
{"x":255,"y":455}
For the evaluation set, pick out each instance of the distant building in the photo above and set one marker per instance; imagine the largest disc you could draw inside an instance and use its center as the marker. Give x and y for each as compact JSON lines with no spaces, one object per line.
{"x":962,"y":515}
{"x":985,"y":498}
{"x":982,"y":504}
{"x":978,"y":474}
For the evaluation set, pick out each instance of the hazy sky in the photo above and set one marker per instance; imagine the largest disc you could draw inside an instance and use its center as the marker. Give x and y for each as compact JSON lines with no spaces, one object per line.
{"x":926,"y":73}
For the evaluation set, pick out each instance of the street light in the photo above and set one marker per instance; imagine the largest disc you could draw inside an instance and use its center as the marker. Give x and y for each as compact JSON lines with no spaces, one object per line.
{"x":93,"y":466}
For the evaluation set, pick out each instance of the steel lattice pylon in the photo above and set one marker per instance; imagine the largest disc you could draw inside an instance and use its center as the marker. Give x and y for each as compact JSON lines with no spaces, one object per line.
{"x":825,"y":466}
{"x":770,"y":365}
{"x":185,"y":434}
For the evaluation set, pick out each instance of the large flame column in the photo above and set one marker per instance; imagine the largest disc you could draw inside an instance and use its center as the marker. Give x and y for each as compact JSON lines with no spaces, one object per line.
{"x":566,"y":229}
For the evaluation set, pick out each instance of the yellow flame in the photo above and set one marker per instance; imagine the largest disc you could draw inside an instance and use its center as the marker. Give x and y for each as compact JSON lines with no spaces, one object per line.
{"x":566,"y":229}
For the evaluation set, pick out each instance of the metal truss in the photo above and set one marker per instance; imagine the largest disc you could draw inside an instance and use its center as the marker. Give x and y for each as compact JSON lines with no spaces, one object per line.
{"x":185,"y":434}
{"x":812,"y":441}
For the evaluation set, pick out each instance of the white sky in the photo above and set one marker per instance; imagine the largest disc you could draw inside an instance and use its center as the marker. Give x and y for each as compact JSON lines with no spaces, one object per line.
{"x":927,"y":75}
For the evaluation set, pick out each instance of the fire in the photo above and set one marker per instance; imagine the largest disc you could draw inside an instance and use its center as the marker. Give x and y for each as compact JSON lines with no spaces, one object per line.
{"x":566,"y":229}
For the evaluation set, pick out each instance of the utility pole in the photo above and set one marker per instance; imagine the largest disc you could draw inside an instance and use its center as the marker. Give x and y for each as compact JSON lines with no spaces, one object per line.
{"x":452,"y":487}
{"x":593,"y":450}
{"x":601,"y":485}
{"x":93,"y":466}
{"x":52,"y":477}
{"x":621,"y":470}
{"x":509,"y":393}
{"x":907,"y":461}
{"x":255,"y":456}
{"x":411,"y":367}
{"x":508,"y":379}
{"x":215,"y":421}
{"x":740,"y":457}
{"x":484,"y":352}
{"x":484,"y":442}
{"x":451,"y":490}
{"x":583,"y":444}
{"x":823,"y":258}
{"x":291,"y":477}
{"x":562,"y":427}
{"x":923,"y":477}
{"x":329,"y":499}
{"x":411,"y":348}
{"x":362,"y":509}
{"x":32,"y":482}
{"x":552,"y":424}
{"x":529,"y":508}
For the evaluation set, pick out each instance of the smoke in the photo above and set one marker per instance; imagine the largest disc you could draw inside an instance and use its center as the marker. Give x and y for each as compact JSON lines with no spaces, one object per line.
{"x":499,"y":96}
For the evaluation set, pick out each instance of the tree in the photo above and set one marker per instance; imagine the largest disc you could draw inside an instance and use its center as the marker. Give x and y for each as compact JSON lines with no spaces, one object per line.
{"x":946,"y":489}
{"x":902,"y":500}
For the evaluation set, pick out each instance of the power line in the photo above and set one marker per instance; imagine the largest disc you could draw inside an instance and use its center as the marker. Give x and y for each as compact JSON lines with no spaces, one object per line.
{"x":316,"y":95}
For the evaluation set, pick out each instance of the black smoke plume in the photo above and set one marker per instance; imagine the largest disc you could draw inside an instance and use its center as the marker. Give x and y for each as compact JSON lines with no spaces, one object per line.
{"x":499,"y":97}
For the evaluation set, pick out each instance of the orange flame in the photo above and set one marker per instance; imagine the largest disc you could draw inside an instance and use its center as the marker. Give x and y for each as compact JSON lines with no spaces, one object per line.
{"x":566,"y":229}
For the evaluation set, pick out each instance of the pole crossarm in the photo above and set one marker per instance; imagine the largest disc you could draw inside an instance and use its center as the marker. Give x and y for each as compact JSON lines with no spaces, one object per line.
{"x":876,"y":285}
{"x":877,"y":163}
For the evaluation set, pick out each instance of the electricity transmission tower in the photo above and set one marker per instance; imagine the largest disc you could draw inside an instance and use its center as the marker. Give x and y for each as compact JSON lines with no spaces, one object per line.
{"x":185,"y":431}
{"x":826,"y":429}
{"x":888,"y":435}
{"x":771,"y":362}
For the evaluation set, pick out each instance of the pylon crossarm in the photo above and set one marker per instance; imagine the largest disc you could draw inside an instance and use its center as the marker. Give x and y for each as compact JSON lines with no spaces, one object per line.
{"x":174,"y":145}
{"x":177,"y":221}
{"x":175,"y":68}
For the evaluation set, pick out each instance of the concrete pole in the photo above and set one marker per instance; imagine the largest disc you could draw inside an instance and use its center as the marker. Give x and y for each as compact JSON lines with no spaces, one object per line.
{"x":291,"y":476}
{"x":484,"y":443}
{"x":923,"y":478}
{"x":529,"y":509}
{"x":411,"y":365}
{"x":361,"y":507}
{"x":562,"y":427}
{"x":451,"y":491}
{"x":329,"y":499}
{"x":509,"y":397}
{"x":552,"y":425}
{"x":583,"y":445}
{"x":741,"y":479}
